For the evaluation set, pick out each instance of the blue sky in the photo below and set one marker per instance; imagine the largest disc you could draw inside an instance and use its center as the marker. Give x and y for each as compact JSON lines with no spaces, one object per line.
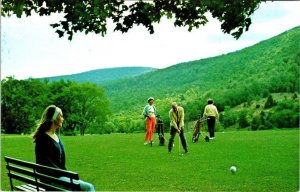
{"x":31,"y":48}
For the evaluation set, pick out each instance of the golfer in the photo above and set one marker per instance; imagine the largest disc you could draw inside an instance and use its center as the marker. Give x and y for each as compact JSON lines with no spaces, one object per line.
{"x":211,"y":113}
{"x":176,"y":115}
{"x":149,"y":114}
{"x":49,"y":150}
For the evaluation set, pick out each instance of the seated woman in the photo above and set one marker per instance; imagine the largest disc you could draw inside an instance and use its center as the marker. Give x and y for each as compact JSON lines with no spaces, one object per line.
{"x":49,"y":150}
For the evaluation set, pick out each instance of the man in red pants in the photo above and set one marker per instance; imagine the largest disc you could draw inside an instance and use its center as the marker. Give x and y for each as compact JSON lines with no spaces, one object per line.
{"x":150,"y":115}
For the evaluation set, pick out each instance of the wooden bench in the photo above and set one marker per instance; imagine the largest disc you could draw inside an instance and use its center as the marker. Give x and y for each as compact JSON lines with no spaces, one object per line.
{"x":35,"y":177}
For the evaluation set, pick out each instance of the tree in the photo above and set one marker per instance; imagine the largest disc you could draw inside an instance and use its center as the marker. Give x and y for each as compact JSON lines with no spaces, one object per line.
{"x":228,"y":118}
{"x":85,"y":106}
{"x":270,"y":102}
{"x":243,"y":122}
{"x":255,"y":123}
{"x":92,"y":15}
{"x":22,"y":103}
{"x":285,"y":114}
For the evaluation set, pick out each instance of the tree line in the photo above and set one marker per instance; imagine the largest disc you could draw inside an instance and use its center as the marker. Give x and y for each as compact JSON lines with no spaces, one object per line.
{"x":85,"y":106}
{"x":87,"y":110}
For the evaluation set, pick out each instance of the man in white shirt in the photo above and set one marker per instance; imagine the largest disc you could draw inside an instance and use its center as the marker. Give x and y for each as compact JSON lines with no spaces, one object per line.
{"x":211,"y":113}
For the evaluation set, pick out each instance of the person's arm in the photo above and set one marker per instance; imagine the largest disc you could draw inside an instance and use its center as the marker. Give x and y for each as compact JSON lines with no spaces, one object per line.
{"x":172,"y":120}
{"x":146,"y":111}
{"x":181,"y":122}
{"x":216,"y":113}
{"x":204,"y":113}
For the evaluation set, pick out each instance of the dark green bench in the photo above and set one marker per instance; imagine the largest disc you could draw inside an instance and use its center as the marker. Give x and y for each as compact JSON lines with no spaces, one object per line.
{"x":35,"y":177}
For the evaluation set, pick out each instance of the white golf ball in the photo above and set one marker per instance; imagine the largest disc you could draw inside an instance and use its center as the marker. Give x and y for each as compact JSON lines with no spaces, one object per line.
{"x":233,"y":169}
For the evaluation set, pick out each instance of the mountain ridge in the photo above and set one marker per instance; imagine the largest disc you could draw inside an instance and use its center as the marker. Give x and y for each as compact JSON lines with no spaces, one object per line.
{"x":101,"y":75}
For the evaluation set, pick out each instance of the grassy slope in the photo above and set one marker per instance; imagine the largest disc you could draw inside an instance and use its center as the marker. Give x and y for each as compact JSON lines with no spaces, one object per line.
{"x":266,"y":161}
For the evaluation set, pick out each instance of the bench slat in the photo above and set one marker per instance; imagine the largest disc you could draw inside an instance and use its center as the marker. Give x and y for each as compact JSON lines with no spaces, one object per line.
{"x":20,"y":170}
{"x":19,"y":162}
{"x":33,"y":182}
{"x":56,"y":181}
{"x":54,"y":172}
{"x":41,"y":168}
{"x":33,"y":186}
{"x":23,"y":188}
{"x":29,"y":187}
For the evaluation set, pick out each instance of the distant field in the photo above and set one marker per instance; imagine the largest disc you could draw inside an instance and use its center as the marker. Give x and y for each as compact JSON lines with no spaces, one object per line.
{"x":265,"y":160}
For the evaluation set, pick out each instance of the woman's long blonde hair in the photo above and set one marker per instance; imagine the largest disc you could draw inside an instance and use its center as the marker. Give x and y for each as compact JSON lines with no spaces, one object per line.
{"x":45,"y":122}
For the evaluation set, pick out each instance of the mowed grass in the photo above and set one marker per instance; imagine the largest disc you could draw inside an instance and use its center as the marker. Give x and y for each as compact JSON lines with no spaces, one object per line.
{"x":265,"y":160}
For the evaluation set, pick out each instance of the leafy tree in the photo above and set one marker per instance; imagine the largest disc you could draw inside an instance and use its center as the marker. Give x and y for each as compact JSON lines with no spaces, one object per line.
{"x":260,"y":122}
{"x":262,"y":117}
{"x":22,"y":104}
{"x":92,"y":16}
{"x":85,"y":105}
{"x":228,"y":118}
{"x":295,"y":96}
{"x":285,"y":114}
{"x":242,"y":120}
{"x":23,"y":101}
{"x":255,"y":123}
{"x":269,"y":102}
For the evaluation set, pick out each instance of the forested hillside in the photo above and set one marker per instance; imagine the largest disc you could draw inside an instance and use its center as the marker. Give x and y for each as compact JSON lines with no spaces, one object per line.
{"x":102,"y":75}
{"x":254,"y":88}
{"x":268,"y":67}
{"x":242,"y":77}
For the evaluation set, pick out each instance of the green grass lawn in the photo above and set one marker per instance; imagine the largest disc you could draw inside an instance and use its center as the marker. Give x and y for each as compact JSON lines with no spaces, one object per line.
{"x":265,"y":160}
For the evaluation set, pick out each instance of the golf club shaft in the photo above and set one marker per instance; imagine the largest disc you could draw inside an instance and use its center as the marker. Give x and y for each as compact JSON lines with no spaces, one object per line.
{"x":178,"y":143}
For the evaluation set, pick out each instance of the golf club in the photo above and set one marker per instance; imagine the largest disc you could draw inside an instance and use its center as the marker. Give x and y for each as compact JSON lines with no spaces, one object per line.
{"x":179,"y":152}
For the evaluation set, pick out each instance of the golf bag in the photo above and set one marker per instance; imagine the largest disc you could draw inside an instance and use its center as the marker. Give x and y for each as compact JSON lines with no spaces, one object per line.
{"x":160,"y":131}
{"x":197,"y":131}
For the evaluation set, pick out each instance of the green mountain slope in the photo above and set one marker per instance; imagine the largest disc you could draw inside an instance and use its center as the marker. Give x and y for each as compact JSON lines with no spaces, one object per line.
{"x":102,"y":75}
{"x":268,"y":67}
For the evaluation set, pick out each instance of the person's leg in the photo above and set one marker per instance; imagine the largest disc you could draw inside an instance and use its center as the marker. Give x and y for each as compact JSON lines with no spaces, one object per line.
{"x":84,"y":186}
{"x":172,"y":136}
{"x":213,"y":126}
{"x":183,"y":140}
{"x":148,"y":130}
{"x":153,"y":121}
{"x":209,"y":124}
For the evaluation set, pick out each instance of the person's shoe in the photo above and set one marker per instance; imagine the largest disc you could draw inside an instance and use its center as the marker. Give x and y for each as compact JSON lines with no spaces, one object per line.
{"x":186,"y":151}
{"x":145,"y":143}
{"x":151,"y":143}
{"x":211,"y":138}
{"x":206,"y":139}
{"x":169,"y":152}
